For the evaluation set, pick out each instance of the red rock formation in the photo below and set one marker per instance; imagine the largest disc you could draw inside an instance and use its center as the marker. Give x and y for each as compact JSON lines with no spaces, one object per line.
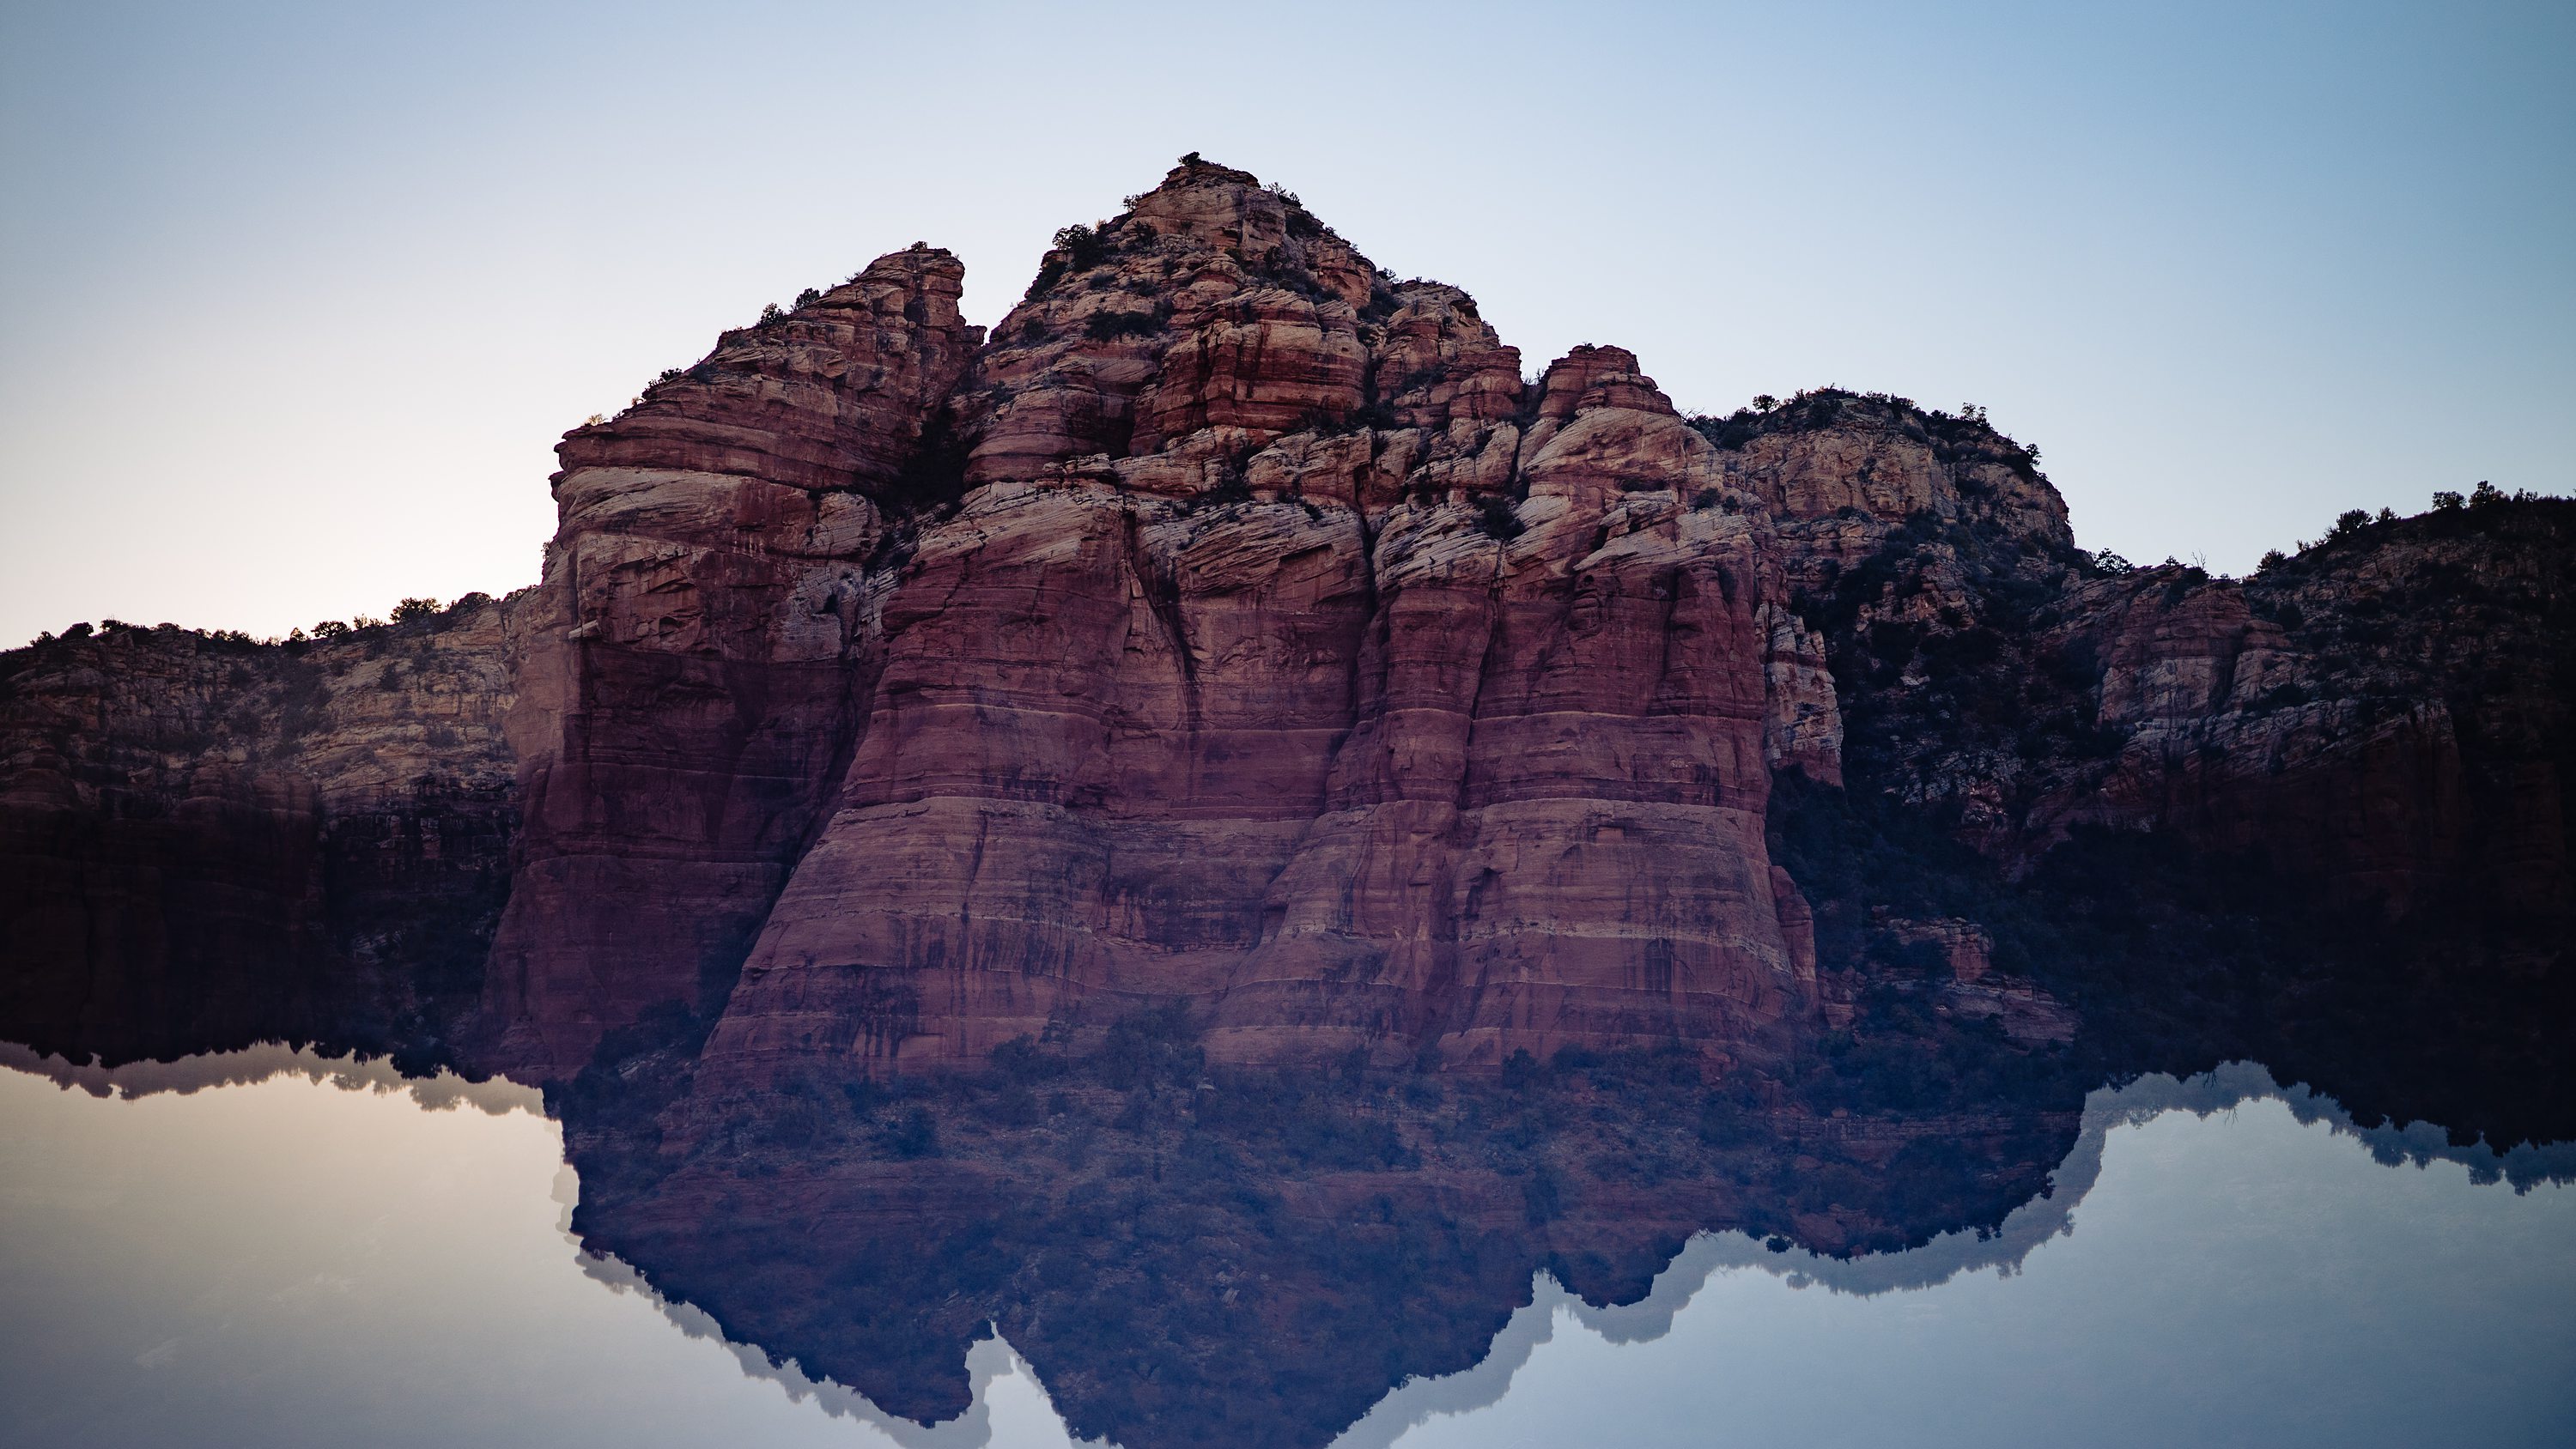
{"x":1235,"y":626}
{"x":1283,"y":657}
{"x":1436,"y":360}
{"x":699,"y":648}
{"x":213,"y":842}
{"x":829,"y":397}
{"x":1440,"y":738}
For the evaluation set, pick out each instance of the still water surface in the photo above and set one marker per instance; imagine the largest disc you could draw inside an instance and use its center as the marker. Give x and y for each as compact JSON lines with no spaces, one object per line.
{"x":323,"y":1258}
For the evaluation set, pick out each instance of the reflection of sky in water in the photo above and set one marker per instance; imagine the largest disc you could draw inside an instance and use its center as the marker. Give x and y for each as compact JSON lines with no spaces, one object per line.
{"x":290,"y":1263}
{"x":293,"y":1264}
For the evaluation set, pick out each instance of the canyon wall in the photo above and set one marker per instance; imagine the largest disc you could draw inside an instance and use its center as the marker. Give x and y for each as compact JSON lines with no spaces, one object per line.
{"x":1239,"y":625}
{"x":1283,"y":657}
{"x":209,"y":841}
{"x":699,"y":654}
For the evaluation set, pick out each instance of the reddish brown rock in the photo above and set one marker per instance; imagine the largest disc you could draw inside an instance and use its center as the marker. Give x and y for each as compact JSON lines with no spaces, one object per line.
{"x":686,"y":690}
{"x":1597,"y":377}
{"x":830,"y":395}
{"x":207,"y":842}
{"x":1436,"y":360}
{"x":1267,"y":359}
{"x":1235,"y":627}
{"x":1212,"y":304}
{"x":1155,"y":725}
{"x":1488,"y":780}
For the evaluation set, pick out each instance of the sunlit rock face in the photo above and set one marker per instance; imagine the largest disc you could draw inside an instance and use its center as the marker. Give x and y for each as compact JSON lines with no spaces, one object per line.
{"x":695,"y":663}
{"x":1236,"y":625}
{"x":1275,"y":661}
{"x":206,"y":842}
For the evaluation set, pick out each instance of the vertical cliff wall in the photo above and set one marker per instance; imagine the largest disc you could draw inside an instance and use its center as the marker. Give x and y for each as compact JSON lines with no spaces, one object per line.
{"x":208,"y":842}
{"x":700,"y":651}
{"x":1289,"y":656}
{"x":1241,"y":626}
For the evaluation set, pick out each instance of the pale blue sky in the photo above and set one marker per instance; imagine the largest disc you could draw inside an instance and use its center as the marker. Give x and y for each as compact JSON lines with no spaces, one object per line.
{"x":295,"y":299}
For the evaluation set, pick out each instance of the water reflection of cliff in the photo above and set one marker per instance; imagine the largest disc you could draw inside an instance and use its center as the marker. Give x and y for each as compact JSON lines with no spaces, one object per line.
{"x":775,"y":1257}
{"x":1190,"y":1254}
{"x":1189,"y":1249}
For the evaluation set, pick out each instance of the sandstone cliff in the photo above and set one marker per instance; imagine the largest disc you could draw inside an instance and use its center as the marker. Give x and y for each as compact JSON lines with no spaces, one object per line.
{"x":212,"y":842}
{"x":700,"y":653}
{"x":1238,"y":626}
{"x":1282,"y":656}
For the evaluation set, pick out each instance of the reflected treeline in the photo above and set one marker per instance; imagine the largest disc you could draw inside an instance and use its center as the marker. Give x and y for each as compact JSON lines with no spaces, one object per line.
{"x":435,"y":1091}
{"x":1188,"y":1252}
{"x":1191,"y":1254}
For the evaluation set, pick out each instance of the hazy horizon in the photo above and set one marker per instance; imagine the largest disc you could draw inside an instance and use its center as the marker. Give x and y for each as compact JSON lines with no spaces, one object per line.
{"x":297,"y":302}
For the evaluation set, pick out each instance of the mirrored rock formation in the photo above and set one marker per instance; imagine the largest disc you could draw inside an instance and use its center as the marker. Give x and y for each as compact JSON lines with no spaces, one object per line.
{"x":1217,"y":827}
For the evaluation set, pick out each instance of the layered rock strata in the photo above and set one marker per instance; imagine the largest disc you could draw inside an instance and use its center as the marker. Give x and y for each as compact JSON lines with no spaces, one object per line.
{"x":1449,"y":735}
{"x":1237,"y":625}
{"x":209,"y":842}
{"x":700,"y":651}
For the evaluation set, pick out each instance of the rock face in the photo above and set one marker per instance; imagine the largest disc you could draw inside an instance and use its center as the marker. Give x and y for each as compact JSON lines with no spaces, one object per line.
{"x":1237,"y":626}
{"x":206,"y":842}
{"x":701,"y":647}
{"x":1450,"y":737}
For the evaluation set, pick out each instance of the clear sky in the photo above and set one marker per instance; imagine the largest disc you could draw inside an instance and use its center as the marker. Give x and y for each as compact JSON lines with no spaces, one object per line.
{"x":296,"y":298}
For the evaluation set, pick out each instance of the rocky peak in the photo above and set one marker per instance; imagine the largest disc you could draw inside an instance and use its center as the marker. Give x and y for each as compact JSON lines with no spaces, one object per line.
{"x":1219,"y":205}
{"x":1594,"y":377}
{"x":1232,"y":627}
{"x":827,"y":394}
{"x":1436,"y":360}
{"x":1218,"y":316}
{"x":1212,"y":303}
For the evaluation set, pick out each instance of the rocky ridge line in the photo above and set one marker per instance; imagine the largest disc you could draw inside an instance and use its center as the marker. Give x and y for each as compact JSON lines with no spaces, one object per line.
{"x":1234,"y":624}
